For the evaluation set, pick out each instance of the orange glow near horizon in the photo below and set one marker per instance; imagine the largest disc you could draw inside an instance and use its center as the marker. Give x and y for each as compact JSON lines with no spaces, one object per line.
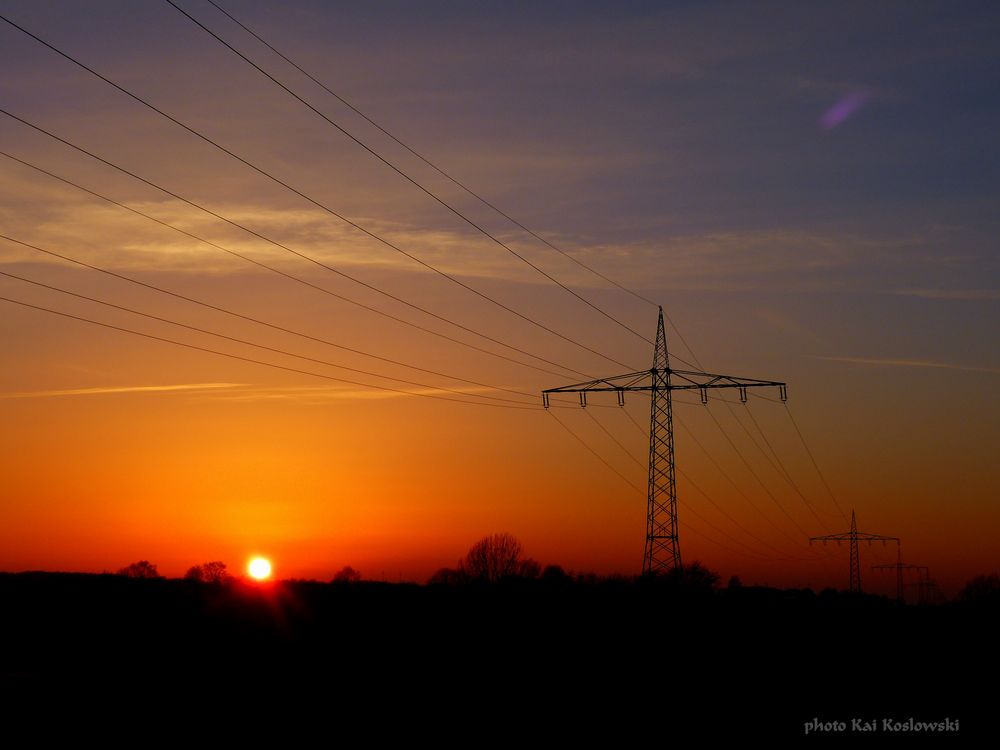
{"x":335,"y":403}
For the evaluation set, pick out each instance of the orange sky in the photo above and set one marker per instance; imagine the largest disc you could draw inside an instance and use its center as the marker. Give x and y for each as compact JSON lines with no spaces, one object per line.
{"x":877,"y":304}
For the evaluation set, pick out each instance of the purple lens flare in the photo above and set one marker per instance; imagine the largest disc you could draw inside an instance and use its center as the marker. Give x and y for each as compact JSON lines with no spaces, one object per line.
{"x":843,"y":110}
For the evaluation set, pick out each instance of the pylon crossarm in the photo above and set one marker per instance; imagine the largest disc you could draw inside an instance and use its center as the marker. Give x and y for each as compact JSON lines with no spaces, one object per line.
{"x":662,"y":549}
{"x":695,"y":379}
{"x":681,"y":380}
{"x":628,"y":381}
{"x":675,"y":380}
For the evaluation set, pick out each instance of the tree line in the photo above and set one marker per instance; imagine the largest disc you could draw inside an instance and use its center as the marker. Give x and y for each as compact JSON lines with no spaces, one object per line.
{"x":500,"y":558}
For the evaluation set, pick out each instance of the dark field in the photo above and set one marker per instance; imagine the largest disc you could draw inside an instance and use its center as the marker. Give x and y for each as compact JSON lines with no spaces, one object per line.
{"x":613,"y":658}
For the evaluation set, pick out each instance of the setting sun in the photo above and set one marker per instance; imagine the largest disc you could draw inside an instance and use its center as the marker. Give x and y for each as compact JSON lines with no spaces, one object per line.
{"x":259,"y":568}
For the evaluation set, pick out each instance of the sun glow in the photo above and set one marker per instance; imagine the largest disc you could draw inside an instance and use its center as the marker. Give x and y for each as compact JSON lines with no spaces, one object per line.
{"x":259,"y":568}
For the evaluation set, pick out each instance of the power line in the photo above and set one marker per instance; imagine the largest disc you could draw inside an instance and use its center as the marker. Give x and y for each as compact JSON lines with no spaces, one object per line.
{"x":691,"y":482}
{"x":794,"y":424}
{"x":722,"y":471}
{"x":774,"y":466}
{"x":210,"y":306}
{"x":781,"y":464}
{"x":617,"y":442}
{"x":478,"y":227}
{"x":257,"y":361}
{"x":304,"y":256}
{"x":733,"y":482}
{"x":780,"y":556}
{"x":765,"y":398}
{"x":424,"y":159}
{"x":662,"y":546}
{"x":264,"y":347}
{"x":639,"y":427}
{"x":362,"y":229}
{"x":782,"y":471}
{"x":725,"y":434}
{"x":596,"y":455}
{"x":638,"y":490}
{"x":754,"y":474}
{"x":813,"y":459}
{"x":217,"y":308}
{"x":787,"y":477}
{"x":777,"y":464}
{"x":311,"y":200}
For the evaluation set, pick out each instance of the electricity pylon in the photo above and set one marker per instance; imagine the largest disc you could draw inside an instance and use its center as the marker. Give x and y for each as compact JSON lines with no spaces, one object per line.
{"x":854,"y":536}
{"x":899,"y":566}
{"x":662,"y":551}
{"x":925,"y":586}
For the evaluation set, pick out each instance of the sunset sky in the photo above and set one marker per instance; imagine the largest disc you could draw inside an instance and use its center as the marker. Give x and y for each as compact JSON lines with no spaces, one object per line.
{"x":811,"y":192}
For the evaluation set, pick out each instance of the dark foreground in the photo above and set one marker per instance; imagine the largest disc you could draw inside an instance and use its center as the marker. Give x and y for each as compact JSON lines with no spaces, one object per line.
{"x":529,"y":661}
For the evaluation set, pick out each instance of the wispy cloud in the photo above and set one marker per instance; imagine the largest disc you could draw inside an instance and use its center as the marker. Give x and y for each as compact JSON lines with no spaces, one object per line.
{"x":730,"y":258}
{"x":123,"y":389}
{"x":786,"y":323}
{"x":910,"y":363}
{"x":245,"y":392}
{"x":969,"y":294}
{"x":312,"y":395}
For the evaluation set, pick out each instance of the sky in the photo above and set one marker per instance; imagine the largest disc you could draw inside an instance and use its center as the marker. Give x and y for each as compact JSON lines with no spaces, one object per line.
{"x":809,"y":191}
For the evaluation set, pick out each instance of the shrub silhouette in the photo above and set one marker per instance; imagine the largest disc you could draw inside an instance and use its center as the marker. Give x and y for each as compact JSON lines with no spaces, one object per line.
{"x":555,"y":574}
{"x":496,"y":557}
{"x":447,"y":577}
{"x":691,"y":577}
{"x":210,"y":572}
{"x":347,"y":574}
{"x":140,"y":569}
{"x":984,"y":589}
{"x":528,"y":568}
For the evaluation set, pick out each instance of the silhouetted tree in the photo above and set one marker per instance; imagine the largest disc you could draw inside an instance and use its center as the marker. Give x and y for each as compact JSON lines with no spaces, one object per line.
{"x":735,"y":582}
{"x":215,"y":572}
{"x":554,"y":574}
{"x":140,"y":569}
{"x":447,"y":577}
{"x":696,"y":575}
{"x":528,"y":568}
{"x":984,"y":589}
{"x":347,"y":574}
{"x":693,"y":577}
{"x":493,"y":558}
{"x":210,"y":572}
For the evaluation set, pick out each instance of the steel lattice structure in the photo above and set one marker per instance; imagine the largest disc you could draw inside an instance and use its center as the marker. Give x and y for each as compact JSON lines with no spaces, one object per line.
{"x":926,"y":588}
{"x":854,"y":536}
{"x":899,"y":566}
{"x":662,"y":550}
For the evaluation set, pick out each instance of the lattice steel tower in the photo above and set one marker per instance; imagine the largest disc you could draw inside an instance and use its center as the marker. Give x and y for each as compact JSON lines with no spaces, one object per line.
{"x":854,"y":536}
{"x":899,"y":566}
{"x":662,"y":550}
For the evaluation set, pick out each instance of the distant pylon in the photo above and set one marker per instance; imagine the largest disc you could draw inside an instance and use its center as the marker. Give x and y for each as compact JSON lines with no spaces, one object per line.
{"x":855,"y":554}
{"x":854,"y":536}
{"x":925,"y":586}
{"x":899,"y":566}
{"x":662,"y":551}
